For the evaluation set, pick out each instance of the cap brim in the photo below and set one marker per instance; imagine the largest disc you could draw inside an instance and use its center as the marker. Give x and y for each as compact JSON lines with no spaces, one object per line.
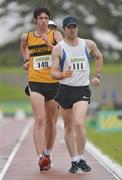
{"x":52,"y":25}
{"x":69,"y":24}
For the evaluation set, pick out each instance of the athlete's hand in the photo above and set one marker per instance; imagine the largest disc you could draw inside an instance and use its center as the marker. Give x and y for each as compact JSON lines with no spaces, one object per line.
{"x":68,"y":73}
{"x":95,"y":81}
{"x":45,"y":37}
{"x":26,"y":65}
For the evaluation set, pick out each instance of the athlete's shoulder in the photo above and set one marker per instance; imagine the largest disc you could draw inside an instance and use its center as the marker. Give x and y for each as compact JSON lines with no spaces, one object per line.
{"x":58,"y":36}
{"x":25,"y":35}
{"x":58,"y":46}
{"x":61,"y":44}
{"x":82,"y":40}
{"x":89,"y":41}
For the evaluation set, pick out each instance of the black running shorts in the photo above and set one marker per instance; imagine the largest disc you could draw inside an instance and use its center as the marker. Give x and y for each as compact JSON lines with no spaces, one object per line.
{"x":68,"y":95}
{"x":48,"y":90}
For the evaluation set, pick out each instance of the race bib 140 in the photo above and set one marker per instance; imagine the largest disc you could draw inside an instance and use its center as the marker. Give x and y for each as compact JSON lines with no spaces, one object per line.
{"x":41,"y":62}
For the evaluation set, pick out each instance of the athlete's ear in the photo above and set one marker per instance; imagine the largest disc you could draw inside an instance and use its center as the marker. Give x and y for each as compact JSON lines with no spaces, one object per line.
{"x":34,"y":20}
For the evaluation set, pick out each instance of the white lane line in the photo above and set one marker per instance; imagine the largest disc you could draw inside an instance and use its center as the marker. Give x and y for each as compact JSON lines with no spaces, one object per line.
{"x":17,"y":146}
{"x":105,"y":161}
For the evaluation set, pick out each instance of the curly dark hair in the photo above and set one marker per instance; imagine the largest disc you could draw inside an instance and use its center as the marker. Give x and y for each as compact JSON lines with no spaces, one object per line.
{"x":40,"y":10}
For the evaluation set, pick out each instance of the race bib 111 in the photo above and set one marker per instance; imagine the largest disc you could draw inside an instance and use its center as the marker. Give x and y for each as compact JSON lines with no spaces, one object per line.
{"x":77,"y":63}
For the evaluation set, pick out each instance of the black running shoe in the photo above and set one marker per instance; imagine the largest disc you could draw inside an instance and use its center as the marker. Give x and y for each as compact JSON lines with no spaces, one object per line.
{"x":74,"y":167}
{"x":83,"y":166}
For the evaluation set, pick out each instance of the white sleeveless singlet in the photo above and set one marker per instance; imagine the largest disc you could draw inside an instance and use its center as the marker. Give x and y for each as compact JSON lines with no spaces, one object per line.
{"x":77,"y":59}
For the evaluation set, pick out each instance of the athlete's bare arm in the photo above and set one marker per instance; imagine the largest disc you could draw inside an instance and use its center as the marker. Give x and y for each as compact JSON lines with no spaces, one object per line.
{"x":55,"y":69}
{"x":56,"y":54}
{"x":58,"y":36}
{"x":98,"y":61}
{"x":24,"y":51}
{"x":23,"y":46}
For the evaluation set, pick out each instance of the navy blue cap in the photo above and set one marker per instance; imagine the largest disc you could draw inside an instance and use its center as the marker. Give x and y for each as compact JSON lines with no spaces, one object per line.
{"x":70,"y":20}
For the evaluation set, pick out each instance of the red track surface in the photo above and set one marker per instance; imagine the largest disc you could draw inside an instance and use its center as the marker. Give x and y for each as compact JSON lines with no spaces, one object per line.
{"x":24,"y":164}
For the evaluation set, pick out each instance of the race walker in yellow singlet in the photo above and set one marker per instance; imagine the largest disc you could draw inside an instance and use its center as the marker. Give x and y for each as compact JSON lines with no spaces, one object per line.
{"x":40,"y":58}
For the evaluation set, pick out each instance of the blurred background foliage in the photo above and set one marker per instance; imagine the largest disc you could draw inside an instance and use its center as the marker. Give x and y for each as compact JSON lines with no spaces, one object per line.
{"x":99,"y":20}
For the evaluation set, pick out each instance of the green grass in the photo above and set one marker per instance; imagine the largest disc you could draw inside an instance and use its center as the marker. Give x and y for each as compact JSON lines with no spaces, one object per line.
{"x":110,"y":143}
{"x":109,"y":68}
{"x":9,"y":92}
{"x":10,"y":107}
{"x":12,"y":70}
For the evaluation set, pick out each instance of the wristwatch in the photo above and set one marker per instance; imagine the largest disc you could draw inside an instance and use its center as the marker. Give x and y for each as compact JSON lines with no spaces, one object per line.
{"x":26,"y":60}
{"x":98,"y":76}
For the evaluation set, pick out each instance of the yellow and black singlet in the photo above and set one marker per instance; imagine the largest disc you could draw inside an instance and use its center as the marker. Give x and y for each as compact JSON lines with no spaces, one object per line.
{"x":40,"y":58}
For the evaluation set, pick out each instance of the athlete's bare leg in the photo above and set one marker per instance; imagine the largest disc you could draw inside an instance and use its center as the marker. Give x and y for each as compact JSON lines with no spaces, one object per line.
{"x":79,"y":112}
{"x":69,"y":131}
{"x":51,"y":108}
{"x":38,"y":106}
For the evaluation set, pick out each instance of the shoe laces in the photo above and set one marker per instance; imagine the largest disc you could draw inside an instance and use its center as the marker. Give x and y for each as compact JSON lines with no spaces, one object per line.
{"x":82,"y":164}
{"x":74,"y":164}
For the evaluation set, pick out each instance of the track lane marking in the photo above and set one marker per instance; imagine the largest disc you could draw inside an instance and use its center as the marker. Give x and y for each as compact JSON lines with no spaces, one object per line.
{"x":16,"y":148}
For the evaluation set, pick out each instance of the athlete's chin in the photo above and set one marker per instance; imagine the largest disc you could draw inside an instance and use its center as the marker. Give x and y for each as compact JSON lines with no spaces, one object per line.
{"x":44,"y":26}
{"x":73,"y":37}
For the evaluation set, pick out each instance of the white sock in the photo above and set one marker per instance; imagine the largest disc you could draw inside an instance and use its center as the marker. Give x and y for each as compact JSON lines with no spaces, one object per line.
{"x":74,"y":158}
{"x":79,"y":157}
{"x":40,"y":155}
{"x":47,"y":152}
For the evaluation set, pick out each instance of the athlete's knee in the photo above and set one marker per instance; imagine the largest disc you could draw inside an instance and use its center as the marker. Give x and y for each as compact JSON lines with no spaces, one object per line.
{"x":51,"y":123}
{"x":68,"y":129}
{"x":40,"y":121}
{"x":79,"y":125}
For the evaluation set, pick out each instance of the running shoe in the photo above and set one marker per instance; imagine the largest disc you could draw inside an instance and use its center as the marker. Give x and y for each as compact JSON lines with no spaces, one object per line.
{"x":83,"y":166}
{"x":46,"y":168}
{"x":74,"y":167}
{"x":43,"y":162}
